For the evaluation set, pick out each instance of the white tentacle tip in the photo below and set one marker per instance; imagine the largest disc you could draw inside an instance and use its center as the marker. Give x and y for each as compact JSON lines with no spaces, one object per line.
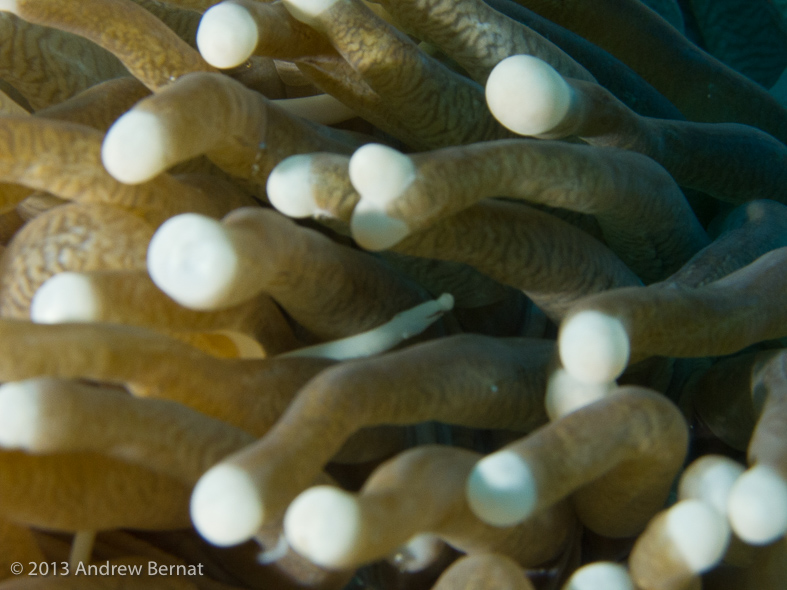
{"x":601,"y":575}
{"x":290,"y":187}
{"x":324,"y":525}
{"x":227,"y":35}
{"x":380,"y":175}
{"x":65,"y":297}
{"x":374,"y":230}
{"x":19,"y":414}
{"x":192,"y":259}
{"x":594,"y":347}
{"x":757,"y":506}
{"x":501,"y":489}
{"x":307,"y":11}
{"x":527,"y":95}
{"x":225,"y":506}
{"x":699,"y":533}
{"x":566,"y":394}
{"x":710,"y":479}
{"x":445,"y":302}
{"x":135,"y":147}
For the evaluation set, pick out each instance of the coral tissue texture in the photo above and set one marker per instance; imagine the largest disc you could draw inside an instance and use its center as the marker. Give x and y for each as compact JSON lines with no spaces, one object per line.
{"x":393,"y":294}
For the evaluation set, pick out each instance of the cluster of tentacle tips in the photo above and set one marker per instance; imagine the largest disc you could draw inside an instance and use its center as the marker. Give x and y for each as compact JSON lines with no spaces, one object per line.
{"x":400,"y":294}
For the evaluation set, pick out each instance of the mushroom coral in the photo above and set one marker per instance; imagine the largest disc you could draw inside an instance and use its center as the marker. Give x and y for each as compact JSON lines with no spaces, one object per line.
{"x":285,"y":293}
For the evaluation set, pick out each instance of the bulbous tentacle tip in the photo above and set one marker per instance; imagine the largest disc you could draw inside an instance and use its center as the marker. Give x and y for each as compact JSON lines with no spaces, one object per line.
{"x":527,"y":95}
{"x":135,"y":148}
{"x":65,"y":297}
{"x":600,"y":575}
{"x":594,"y":347}
{"x":566,"y":394}
{"x":227,"y":35}
{"x":699,"y":533}
{"x":380,"y":175}
{"x":225,"y":506}
{"x":307,"y":11}
{"x":290,"y":187}
{"x":20,"y":419}
{"x":374,"y":230}
{"x":757,"y":506}
{"x":501,"y":489}
{"x":193,"y":260}
{"x":324,"y":525}
{"x":710,"y":479}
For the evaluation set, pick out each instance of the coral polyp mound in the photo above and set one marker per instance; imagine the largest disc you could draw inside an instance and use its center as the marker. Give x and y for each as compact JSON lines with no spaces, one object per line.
{"x":402,"y":294}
